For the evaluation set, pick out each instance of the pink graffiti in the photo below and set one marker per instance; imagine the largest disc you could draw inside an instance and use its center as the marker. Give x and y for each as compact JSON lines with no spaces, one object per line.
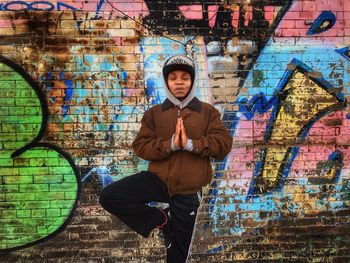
{"x":135,"y":9}
{"x":212,"y":12}
{"x":193,"y":12}
{"x":270,"y":13}
{"x":298,"y":19}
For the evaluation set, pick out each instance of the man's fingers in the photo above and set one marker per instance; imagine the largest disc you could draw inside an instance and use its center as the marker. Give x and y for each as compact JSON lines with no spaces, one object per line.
{"x":177,"y":138}
{"x":183,"y":127}
{"x":183,"y":135}
{"x":178,"y":127}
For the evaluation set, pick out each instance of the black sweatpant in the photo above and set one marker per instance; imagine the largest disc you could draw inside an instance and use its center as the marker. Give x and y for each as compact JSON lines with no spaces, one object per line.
{"x":127,"y":199}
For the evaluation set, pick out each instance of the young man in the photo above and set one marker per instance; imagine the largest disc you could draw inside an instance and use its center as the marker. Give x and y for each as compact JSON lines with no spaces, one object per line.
{"x":178,"y":137}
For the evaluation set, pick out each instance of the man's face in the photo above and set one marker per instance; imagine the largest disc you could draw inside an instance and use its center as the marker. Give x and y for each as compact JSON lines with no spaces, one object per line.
{"x":179,"y":82}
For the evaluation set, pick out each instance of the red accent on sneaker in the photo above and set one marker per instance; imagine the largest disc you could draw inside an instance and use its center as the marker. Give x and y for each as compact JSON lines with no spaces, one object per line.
{"x":166,"y":219}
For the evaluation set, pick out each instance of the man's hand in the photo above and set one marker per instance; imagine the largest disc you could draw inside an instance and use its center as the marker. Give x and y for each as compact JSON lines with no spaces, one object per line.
{"x":183,"y":135}
{"x":177,"y":139}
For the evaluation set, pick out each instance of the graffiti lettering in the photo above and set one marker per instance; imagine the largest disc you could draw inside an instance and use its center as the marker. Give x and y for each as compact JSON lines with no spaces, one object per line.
{"x":293,"y":119}
{"x":99,"y":5}
{"x":216,"y":21}
{"x":35,"y":6}
{"x":46,"y":189}
{"x":195,"y":12}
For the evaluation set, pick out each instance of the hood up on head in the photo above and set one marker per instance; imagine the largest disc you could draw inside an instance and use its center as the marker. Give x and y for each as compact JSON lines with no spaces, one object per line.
{"x":179,"y":62}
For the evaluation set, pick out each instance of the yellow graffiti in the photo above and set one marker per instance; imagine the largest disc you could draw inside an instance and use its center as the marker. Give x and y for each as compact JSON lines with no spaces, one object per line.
{"x":301,"y":101}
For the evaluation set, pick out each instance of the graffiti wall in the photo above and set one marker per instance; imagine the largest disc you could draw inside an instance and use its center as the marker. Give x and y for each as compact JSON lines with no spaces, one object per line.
{"x":77,"y":76}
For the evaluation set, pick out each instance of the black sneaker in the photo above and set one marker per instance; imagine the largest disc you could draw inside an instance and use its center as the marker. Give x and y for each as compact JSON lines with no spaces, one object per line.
{"x":166,"y":229}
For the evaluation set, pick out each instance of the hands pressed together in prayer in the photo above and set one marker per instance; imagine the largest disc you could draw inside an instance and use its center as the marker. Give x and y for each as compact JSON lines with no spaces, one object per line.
{"x":180,"y":138}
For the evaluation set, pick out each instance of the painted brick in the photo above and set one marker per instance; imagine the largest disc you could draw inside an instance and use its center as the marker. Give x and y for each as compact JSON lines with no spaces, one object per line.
{"x":92,"y":67}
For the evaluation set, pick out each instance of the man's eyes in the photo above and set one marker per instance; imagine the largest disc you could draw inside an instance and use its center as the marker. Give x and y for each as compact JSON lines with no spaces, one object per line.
{"x":183,"y":78}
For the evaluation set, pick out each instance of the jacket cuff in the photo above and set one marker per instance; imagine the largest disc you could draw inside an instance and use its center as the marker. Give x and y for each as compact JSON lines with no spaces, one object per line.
{"x":199,"y":145}
{"x":189,"y":145}
{"x":167,"y":146}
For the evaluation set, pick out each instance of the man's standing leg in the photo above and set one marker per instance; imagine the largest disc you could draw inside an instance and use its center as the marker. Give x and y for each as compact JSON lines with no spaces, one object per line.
{"x":183,"y":211}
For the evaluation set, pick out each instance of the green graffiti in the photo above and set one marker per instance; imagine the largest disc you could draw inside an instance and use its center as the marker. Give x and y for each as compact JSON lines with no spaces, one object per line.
{"x":39,"y":187}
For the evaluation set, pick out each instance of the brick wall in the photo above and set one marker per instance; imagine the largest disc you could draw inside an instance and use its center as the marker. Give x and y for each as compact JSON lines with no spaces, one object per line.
{"x":76,"y":77}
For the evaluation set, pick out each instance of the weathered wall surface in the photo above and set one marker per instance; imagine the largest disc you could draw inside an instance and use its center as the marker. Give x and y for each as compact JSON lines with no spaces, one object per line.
{"x":76,"y":77}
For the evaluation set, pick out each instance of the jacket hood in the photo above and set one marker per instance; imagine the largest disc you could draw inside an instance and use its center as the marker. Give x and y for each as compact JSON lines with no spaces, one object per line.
{"x":176,"y":101}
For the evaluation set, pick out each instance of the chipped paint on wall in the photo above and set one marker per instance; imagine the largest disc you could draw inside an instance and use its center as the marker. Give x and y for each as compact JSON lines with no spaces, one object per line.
{"x":277,"y":71}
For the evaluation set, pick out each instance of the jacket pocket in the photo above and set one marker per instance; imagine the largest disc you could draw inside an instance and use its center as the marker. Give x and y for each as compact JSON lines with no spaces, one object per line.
{"x":193,"y":173}
{"x":160,"y":168}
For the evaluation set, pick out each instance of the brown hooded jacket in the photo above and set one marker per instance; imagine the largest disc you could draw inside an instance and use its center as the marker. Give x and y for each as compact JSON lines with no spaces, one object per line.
{"x":182,"y":171}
